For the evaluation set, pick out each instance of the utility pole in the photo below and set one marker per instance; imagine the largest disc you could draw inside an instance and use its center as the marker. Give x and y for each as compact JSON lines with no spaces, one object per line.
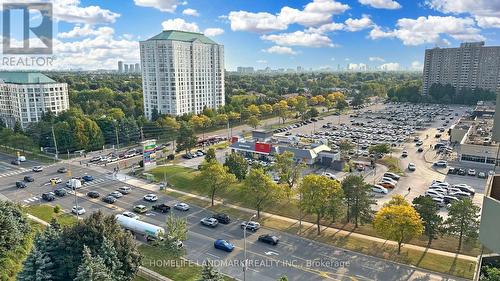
{"x":55,"y":142}
{"x":117,"y":141}
{"x":142,"y":135}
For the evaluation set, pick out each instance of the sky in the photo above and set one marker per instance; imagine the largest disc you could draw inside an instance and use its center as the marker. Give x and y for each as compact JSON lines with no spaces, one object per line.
{"x":354,"y":34}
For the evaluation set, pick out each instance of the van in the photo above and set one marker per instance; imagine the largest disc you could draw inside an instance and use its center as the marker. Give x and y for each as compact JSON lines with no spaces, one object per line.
{"x":21,"y":158}
{"x":124,"y":189}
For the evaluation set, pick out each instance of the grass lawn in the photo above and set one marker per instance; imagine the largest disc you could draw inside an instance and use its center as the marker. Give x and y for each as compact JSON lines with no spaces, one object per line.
{"x":168,"y":266}
{"x":184,"y":179}
{"x":46,"y":213}
{"x":393,"y":164}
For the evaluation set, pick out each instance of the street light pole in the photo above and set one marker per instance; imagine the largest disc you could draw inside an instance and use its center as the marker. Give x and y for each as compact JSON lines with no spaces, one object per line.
{"x":245,"y":247}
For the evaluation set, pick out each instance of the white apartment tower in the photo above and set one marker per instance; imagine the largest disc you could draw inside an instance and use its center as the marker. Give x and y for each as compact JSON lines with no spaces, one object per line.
{"x":472,"y":65}
{"x":25,"y":96}
{"x":182,"y":72}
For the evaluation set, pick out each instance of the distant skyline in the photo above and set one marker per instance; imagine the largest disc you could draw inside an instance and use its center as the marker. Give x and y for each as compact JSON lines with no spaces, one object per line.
{"x":379,"y":34}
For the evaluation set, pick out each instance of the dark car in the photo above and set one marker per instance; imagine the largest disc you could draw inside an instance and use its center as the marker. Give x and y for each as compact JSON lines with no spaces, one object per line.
{"x":60,"y":192}
{"x":269,"y":239}
{"x":420,"y":149}
{"x":15,"y":162}
{"x":20,"y":184}
{"x":49,"y":196}
{"x":461,"y":172}
{"x":62,"y":170}
{"x":109,"y":199}
{"x":163,"y":208}
{"x":222,"y":218}
{"x":93,"y":194}
{"x":450,"y":199}
{"x":87,"y":178}
{"x":452,"y":171}
{"x":29,"y":179}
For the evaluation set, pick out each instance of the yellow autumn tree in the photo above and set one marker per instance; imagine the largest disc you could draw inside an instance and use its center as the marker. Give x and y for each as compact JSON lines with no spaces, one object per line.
{"x":398,"y":221}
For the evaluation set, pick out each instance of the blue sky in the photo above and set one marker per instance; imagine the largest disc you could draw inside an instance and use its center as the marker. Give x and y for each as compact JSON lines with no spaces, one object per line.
{"x":389,"y":34}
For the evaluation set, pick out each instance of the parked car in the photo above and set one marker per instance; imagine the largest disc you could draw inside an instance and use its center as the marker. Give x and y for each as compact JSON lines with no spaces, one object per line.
{"x":15,"y":162}
{"x":124,"y":189}
{"x":29,"y":179}
{"x":461,"y":172}
{"x":223,"y":245}
{"x":439,"y":201}
{"x":404,"y":154}
{"x":386,"y":184}
{"x":49,"y":196}
{"x":61,"y":192}
{"x":55,"y":180}
{"x":460,"y":194}
{"x":432,"y":193}
{"x":181,"y":206}
{"x":208,"y":221}
{"x":62,"y":170}
{"x":116,"y":194}
{"x":222,"y":218}
{"x":471,"y":172}
{"x":163,"y":208}
{"x":141,"y":209}
{"x":250,"y":225}
{"x":109,"y":199}
{"x":379,"y":189}
{"x":452,"y":171}
{"x":21,"y":184}
{"x":450,"y":199}
{"x":441,"y":163}
{"x":131,"y":215}
{"x":78,"y":210}
{"x":37,"y":169}
{"x":93,"y":194}
{"x":412,"y":167}
{"x":150,"y":197}
{"x":269,"y":239}
{"x":392,"y":175}
{"x":481,"y":175}
{"x":420,"y":149}
{"x":466,"y":188}
{"x":88,"y":178}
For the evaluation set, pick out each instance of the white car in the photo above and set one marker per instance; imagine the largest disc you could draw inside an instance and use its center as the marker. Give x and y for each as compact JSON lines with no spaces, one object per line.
{"x":37,"y":169}
{"x":78,"y":211}
{"x":440,"y":190}
{"x":251,"y":225}
{"x":379,"y":189}
{"x":434,"y":194}
{"x":181,"y":206}
{"x":389,"y":180}
{"x":208,"y":221}
{"x":131,"y":215}
{"x":460,"y":194}
{"x":441,"y":163}
{"x":329,"y":175}
{"x":441,"y":185}
{"x":150,"y":197}
{"x":55,"y":180}
{"x":412,"y":167}
{"x":116,"y":194}
{"x":392,"y":176}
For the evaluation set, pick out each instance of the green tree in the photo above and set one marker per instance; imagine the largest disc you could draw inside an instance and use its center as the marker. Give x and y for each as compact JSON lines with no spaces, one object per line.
{"x":281,"y":109}
{"x":14,"y":228}
{"x":358,"y":199}
{"x":210,"y":156}
{"x":463,"y":220}
{"x":17,"y":128}
{"x":345,"y":146}
{"x":209,"y":273}
{"x":237,"y":165}
{"x":253,"y":121}
{"x":186,"y":139}
{"x":302,"y":106}
{"x":36,"y":267}
{"x":341,"y":105}
{"x":490,"y":274}
{"x":397,"y":220}
{"x":110,"y":259}
{"x":428,"y":211}
{"x":214,"y":177}
{"x":288,"y":170}
{"x":283,"y":278}
{"x":176,"y":232}
{"x":92,"y":268}
{"x":321,"y":196}
{"x":260,"y":189}
{"x":379,"y":149}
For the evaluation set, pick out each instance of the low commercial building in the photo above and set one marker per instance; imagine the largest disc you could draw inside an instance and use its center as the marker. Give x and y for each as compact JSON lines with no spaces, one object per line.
{"x":26,"y":96}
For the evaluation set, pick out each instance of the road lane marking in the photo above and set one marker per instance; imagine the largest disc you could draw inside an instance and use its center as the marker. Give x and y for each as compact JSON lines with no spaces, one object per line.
{"x":212,"y":255}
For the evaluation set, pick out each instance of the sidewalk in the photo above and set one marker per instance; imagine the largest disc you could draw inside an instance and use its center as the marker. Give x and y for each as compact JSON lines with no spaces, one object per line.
{"x":155,"y":188}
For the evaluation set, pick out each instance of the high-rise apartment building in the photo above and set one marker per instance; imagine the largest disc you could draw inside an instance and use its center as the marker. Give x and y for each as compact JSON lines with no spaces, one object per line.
{"x":120,"y":67}
{"x":131,"y":68}
{"x":472,"y":65}
{"x":137,"y":68}
{"x":25,"y":96}
{"x":182,"y":72}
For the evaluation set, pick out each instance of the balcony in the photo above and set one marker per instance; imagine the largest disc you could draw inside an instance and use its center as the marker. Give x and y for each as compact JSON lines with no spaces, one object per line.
{"x":490,"y":220}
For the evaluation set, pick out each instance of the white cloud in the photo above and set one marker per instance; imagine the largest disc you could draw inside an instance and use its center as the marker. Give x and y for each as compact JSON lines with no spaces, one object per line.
{"x":333,"y":26}
{"x":358,"y":24}
{"x":213,"y":31}
{"x":485,"y":12}
{"x":300,"y":38}
{"x":85,"y":31}
{"x":416,"y":65}
{"x":332,"y":59}
{"x":429,"y":29}
{"x":376,"y":59}
{"x":381,"y":4}
{"x":190,"y":12}
{"x":180,"y":24}
{"x":314,"y":13}
{"x":262,"y":61}
{"x":162,"y":5}
{"x":280,"y":50}
{"x":357,"y":66}
{"x":390,"y":66}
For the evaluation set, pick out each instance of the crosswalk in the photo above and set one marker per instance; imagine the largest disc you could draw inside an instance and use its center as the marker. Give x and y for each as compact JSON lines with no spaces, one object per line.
{"x":14,"y":172}
{"x":32,"y":199}
{"x":94,"y":182}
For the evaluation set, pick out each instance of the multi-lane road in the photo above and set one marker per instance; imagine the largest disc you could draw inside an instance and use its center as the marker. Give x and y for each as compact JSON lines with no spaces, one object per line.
{"x":298,"y":258}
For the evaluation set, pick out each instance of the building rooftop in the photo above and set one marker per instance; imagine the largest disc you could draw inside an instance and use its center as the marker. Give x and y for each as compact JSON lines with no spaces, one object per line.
{"x":16,"y":77}
{"x":184,"y":36}
{"x":480,"y":132}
